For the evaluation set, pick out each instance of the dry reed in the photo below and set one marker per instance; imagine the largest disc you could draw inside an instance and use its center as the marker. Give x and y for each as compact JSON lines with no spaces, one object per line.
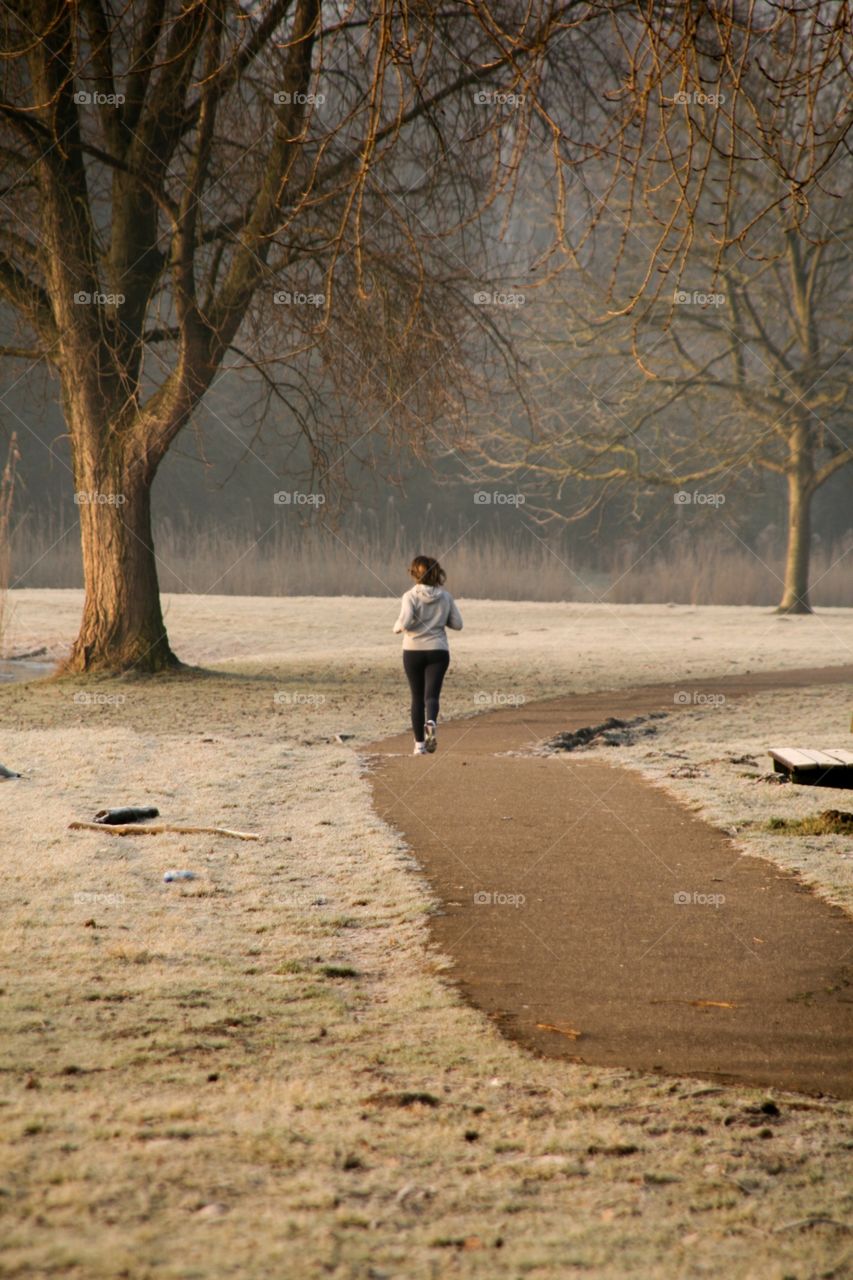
{"x":365,"y":562}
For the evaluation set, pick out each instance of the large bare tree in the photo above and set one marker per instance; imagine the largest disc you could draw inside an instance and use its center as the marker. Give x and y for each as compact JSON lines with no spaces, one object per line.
{"x":286,"y":185}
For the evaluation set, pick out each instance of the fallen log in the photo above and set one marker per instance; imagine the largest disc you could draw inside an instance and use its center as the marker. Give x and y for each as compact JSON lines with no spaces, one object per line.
{"x":122,"y":817}
{"x":135,"y":829}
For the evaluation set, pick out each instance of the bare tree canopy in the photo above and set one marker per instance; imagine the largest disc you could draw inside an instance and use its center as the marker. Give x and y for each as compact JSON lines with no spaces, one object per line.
{"x":279,"y":184}
{"x":705,"y":332}
{"x":696,"y":95}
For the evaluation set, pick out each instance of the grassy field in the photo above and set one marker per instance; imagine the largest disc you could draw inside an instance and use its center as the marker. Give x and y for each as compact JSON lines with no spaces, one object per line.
{"x":266,"y":1071}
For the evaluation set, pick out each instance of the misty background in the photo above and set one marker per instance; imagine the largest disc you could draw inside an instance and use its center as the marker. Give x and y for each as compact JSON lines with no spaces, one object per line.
{"x":238,"y":509}
{"x":219,"y":528}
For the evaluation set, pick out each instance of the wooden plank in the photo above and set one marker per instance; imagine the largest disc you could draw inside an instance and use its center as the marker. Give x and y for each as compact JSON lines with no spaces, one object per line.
{"x":823,"y":759}
{"x":793,"y":758}
{"x":815,"y":768}
{"x":807,"y":758}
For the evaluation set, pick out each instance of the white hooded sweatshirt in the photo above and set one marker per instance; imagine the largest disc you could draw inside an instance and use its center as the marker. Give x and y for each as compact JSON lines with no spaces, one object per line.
{"x":424,"y":613}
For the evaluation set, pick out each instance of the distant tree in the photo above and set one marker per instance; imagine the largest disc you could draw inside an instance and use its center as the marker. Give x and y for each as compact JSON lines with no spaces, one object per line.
{"x":284,"y":185}
{"x":722,"y":342}
{"x":775,"y":362}
{"x":7,"y":497}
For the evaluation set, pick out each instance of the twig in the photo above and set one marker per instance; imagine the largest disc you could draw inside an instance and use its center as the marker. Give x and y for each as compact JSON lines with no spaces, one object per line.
{"x":816,"y":1220}
{"x":131,"y":829}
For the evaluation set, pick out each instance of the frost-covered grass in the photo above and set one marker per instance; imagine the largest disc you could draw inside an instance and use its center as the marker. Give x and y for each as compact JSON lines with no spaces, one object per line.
{"x":263,"y":1072}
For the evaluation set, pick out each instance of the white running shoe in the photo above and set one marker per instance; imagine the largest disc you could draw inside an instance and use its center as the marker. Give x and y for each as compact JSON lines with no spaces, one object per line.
{"x":431,"y":739}
{"x":420,"y":749}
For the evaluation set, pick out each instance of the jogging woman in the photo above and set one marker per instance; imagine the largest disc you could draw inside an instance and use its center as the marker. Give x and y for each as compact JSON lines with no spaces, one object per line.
{"x":425,"y":611}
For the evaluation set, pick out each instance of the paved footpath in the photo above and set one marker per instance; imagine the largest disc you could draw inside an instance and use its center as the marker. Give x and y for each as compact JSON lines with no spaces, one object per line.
{"x":594,"y":917}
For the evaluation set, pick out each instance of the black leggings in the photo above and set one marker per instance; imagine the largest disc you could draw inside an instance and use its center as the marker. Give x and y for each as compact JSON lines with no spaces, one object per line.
{"x":425,"y":669}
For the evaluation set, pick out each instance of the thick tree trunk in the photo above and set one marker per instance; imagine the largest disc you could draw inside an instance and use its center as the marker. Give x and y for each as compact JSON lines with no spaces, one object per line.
{"x":795,"y":596}
{"x":122,"y":627}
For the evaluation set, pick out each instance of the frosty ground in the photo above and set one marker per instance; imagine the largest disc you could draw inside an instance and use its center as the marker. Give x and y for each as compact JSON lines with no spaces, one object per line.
{"x":265,"y":1072}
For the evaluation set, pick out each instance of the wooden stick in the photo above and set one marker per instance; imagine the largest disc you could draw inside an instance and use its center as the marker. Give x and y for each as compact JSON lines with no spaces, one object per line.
{"x":131,"y":829}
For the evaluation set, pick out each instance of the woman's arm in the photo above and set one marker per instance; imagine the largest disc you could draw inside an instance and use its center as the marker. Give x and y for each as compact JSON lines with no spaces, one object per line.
{"x":454,"y":617}
{"x":407,"y":615}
